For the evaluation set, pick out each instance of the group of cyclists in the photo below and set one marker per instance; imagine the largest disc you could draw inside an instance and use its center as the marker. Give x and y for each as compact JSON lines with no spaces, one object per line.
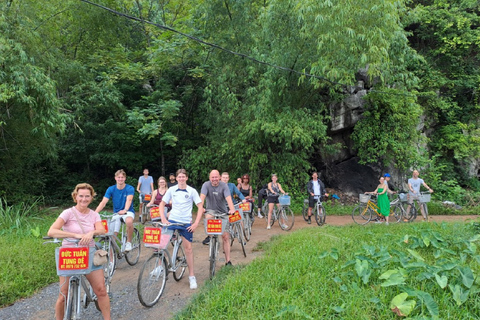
{"x":175,"y":200}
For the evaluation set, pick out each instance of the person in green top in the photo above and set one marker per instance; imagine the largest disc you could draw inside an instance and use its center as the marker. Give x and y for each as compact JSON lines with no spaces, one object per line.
{"x":383,"y":201}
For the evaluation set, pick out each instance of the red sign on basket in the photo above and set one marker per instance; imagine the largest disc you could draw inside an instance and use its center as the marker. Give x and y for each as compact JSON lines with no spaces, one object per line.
{"x":155,"y":213}
{"x":235,"y":217}
{"x":152,"y":235}
{"x":105,"y":225}
{"x":148,"y":197}
{"x":245,"y":206}
{"x":214,"y":226}
{"x":73,"y":258}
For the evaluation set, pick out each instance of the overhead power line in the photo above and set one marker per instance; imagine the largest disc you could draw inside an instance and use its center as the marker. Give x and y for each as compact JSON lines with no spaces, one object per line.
{"x":216,"y":46}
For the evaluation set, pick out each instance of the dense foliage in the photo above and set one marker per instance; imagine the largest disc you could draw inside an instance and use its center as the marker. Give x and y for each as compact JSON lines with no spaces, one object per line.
{"x":84,"y":92}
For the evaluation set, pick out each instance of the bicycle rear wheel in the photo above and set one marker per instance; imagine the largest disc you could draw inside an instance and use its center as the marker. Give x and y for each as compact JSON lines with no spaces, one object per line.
{"x":286,"y":218}
{"x":111,"y":265}
{"x":152,"y":279}
{"x":320,"y":215}
{"x":361,"y":215}
{"x":180,"y":263}
{"x":133,"y":255}
{"x":213,"y":247}
{"x":412,"y":215}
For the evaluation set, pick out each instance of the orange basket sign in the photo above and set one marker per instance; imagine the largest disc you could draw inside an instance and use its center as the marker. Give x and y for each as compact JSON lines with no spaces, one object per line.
{"x":155,"y":213}
{"x":105,"y":225}
{"x":152,"y":235}
{"x":214,"y":226}
{"x":245,"y":206}
{"x":148,"y":197}
{"x":73,"y":258}
{"x":234,"y":217}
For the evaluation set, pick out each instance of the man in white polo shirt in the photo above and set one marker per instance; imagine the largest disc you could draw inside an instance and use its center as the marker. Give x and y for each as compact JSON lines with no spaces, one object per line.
{"x":183,"y":197}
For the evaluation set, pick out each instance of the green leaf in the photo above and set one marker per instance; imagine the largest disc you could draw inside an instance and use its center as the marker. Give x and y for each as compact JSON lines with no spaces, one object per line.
{"x":415,"y":254}
{"x":459,"y":295}
{"x":339,"y":309}
{"x":467,"y":276}
{"x":441,"y":280}
{"x":401,"y":306}
{"x":394,"y":280}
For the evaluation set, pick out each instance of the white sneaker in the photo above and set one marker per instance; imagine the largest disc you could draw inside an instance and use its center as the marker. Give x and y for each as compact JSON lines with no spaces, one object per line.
{"x":268,"y":227}
{"x":193,"y":282}
{"x":260,"y":216}
{"x":157,"y":271}
{"x":128,"y":246}
{"x":386,"y":223}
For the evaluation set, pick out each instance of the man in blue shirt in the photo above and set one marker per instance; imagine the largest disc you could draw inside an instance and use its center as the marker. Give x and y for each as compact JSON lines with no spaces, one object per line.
{"x":232,"y":187}
{"x":122,"y":198}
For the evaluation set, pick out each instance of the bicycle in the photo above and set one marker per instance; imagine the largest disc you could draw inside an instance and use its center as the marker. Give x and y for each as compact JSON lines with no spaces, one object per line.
{"x":144,"y":212}
{"x":416,"y":206}
{"x":362,"y":214}
{"x":319,"y":211}
{"x":235,"y":228}
{"x":398,"y":206}
{"x":284,"y":216}
{"x":115,"y":247}
{"x":214,"y":227}
{"x":154,"y":273}
{"x":70,"y":262}
{"x":247,"y":209}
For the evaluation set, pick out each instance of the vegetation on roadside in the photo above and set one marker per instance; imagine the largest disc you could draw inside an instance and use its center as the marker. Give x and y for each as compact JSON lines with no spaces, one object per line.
{"x":375,"y":272}
{"x":26,"y":265}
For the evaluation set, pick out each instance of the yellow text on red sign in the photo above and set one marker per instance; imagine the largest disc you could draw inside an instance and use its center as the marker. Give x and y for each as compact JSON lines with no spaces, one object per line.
{"x":73,"y":258}
{"x":152,"y":235}
{"x":214,"y":226}
{"x":155,"y":213}
{"x":105,"y":225}
{"x":148,"y":197}
{"x":245,"y":206}
{"x":235,"y":217}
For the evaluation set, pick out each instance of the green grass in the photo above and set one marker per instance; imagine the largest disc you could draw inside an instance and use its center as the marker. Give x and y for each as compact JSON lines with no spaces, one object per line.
{"x":341,"y":273}
{"x":25,"y":265}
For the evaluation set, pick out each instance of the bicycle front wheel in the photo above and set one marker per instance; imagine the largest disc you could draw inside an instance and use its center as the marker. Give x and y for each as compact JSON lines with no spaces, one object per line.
{"x":361,"y":215}
{"x":133,"y":255}
{"x":213,"y":255}
{"x":180,"y":263}
{"x":305,"y":211}
{"x":72,"y":297}
{"x":247,"y":226}
{"x":286,"y":218}
{"x":111,"y":265}
{"x":239,"y":235}
{"x":152,"y":279}
{"x":412,"y":215}
{"x":144,"y":214}
{"x":397,"y":213}
{"x":320,"y":215}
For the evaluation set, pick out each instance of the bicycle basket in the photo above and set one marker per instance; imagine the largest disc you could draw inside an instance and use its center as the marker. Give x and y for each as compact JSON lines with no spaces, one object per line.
{"x":402,"y":197}
{"x":425,"y":197}
{"x":157,"y":238}
{"x":108,"y":225}
{"x":284,"y":200}
{"x":73,"y":260}
{"x":215,"y":226}
{"x":364,"y":198}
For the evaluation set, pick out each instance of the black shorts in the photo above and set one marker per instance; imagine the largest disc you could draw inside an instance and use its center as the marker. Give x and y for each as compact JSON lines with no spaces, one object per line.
{"x":311,"y":201}
{"x":272,"y":199}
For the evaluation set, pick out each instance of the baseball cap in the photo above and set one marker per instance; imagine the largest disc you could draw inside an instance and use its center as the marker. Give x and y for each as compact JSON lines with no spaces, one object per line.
{"x":387,"y":175}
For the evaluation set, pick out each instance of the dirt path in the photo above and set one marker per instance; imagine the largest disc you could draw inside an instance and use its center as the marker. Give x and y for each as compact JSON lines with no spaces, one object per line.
{"x":125,"y":304}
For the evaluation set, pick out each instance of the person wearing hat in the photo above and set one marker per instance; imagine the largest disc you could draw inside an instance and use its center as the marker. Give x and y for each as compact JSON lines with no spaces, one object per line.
{"x":172,"y":180}
{"x":391,"y":187}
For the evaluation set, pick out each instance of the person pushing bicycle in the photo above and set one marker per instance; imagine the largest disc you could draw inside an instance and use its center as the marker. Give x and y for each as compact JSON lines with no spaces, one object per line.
{"x":414,"y":184}
{"x":315,"y":189}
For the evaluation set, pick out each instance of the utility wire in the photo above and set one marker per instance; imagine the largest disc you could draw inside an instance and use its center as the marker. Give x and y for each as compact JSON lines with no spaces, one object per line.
{"x":213,"y":45}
